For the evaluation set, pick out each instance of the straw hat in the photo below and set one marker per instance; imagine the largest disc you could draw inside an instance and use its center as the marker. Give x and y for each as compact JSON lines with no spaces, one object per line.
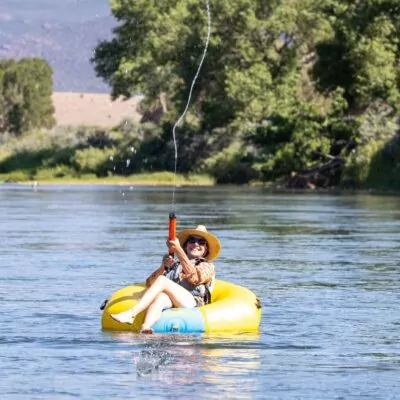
{"x":214,"y":247}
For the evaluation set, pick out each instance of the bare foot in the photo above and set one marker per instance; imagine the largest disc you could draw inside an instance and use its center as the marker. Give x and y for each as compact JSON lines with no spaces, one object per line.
{"x":125,"y":317}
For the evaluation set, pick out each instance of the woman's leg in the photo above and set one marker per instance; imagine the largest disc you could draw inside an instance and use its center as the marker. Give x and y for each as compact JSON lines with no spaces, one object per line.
{"x":178,"y":295}
{"x":155,"y":309}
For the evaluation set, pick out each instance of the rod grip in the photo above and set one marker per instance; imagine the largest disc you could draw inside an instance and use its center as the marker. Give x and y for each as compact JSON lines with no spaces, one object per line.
{"x":172,"y":228}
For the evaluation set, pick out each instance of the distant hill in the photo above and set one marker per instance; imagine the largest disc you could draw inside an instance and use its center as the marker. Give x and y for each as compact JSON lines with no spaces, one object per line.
{"x":63,"y":32}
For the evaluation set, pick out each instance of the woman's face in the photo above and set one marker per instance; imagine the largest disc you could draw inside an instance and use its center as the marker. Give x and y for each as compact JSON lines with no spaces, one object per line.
{"x":196,"y":246}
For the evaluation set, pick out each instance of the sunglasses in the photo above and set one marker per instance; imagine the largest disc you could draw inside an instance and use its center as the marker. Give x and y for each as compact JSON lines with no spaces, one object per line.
{"x":200,"y":241}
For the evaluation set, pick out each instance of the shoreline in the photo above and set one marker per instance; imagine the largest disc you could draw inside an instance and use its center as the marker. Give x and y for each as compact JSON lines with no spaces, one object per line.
{"x":155,"y":179}
{"x":168,"y":184}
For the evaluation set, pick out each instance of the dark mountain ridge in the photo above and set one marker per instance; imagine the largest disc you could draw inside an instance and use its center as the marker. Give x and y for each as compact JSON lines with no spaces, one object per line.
{"x":63,"y":32}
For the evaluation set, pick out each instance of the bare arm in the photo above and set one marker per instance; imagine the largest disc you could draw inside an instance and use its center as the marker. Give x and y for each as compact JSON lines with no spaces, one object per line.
{"x":196,"y":274}
{"x":205,"y":271}
{"x":159,"y":271}
{"x":167,"y":262}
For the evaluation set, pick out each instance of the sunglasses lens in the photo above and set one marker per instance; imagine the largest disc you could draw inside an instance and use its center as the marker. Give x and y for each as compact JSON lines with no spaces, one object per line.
{"x":200,"y":241}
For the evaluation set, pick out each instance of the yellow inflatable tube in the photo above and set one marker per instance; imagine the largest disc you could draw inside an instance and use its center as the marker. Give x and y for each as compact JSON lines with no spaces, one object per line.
{"x":233,"y":309}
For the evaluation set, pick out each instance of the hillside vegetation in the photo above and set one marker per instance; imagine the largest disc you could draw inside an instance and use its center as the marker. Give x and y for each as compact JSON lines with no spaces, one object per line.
{"x":305,"y":93}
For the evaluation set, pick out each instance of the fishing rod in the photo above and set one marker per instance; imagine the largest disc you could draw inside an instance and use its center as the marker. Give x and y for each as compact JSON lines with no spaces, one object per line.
{"x":172,"y":216}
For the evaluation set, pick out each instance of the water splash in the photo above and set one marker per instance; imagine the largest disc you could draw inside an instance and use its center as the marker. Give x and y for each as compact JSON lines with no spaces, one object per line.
{"x":150,"y":360}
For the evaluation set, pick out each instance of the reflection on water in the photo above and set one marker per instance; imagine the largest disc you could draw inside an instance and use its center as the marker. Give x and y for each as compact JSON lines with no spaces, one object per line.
{"x":178,"y":359}
{"x":324,"y":266}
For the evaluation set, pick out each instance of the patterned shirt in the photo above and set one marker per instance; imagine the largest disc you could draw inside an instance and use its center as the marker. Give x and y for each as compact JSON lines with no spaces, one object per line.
{"x":201,"y":272}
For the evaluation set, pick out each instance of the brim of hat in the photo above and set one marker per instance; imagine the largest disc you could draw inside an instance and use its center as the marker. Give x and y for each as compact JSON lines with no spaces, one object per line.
{"x":214,"y":246}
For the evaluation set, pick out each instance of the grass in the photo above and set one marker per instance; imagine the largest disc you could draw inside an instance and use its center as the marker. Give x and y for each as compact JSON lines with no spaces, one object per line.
{"x":145,"y":179}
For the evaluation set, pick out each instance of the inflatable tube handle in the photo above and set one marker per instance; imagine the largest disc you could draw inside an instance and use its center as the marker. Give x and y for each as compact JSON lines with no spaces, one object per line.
{"x":172,"y":228}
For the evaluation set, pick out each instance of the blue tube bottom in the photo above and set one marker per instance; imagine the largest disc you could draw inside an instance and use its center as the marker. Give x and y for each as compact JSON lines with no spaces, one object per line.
{"x":180,"y":320}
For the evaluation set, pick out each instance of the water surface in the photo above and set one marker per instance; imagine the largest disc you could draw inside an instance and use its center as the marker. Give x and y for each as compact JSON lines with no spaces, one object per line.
{"x":326,"y":268}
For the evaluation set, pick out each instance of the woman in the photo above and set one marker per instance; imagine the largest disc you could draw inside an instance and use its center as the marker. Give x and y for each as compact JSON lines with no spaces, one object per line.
{"x":182,"y":283}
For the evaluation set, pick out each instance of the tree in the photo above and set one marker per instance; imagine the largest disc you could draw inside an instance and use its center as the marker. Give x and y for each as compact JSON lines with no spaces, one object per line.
{"x":362,"y":55}
{"x":26,"y":89}
{"x":157,"y":47}
{"x":288,"y":79}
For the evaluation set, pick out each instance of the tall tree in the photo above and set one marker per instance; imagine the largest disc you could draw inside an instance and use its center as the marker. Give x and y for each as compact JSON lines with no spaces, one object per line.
{"x":157,"y":46}
{"x":26,"y":89}
{"x":291,"y":76}
{"x":363,"y":54}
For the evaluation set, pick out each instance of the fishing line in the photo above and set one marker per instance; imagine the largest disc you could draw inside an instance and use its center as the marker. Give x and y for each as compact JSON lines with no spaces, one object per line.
{"x":189,"y":97}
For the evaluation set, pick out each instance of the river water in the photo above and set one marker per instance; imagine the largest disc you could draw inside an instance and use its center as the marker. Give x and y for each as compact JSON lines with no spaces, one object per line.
{"x":326,"y":268}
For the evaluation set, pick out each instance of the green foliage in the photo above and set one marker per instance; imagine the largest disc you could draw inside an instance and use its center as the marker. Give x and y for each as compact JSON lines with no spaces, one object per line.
{"x":375,"y":161}
{"x":362,"y":55}
{"x":286,"y":144}
{"x":232,"y":165}
{"x":384,"y":171}
{"x":25,"y":95}
{"x":286,"y":87}
{"x":265,"y":65}
{"x":35,"y":151}
{"x":16,"y":176}
{"x":165,"y":177}
{"x":139,"y":148}
{"x":156,"y":50}
{"x":93,"y":160}
{"x":359,"y":164}
{"x":59,"y":171}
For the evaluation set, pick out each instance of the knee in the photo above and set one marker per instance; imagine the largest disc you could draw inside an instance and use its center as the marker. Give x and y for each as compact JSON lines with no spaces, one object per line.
{"x":161,"y":280}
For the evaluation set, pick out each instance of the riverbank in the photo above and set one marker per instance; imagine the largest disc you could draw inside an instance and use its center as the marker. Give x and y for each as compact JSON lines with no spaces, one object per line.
{"x":144,"y":179}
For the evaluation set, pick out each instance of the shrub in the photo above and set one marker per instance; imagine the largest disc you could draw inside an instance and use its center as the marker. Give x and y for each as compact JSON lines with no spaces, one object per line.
{"x":232,"y":165}
{"x":374,"y":161}
{"x":94,"y":160}
{"x":17,"y":176}
{"x":59,"y":171}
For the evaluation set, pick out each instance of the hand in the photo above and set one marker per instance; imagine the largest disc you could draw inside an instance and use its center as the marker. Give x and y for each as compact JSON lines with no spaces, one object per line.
{"x":174,"y":246}
{"x":168,"y":261}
